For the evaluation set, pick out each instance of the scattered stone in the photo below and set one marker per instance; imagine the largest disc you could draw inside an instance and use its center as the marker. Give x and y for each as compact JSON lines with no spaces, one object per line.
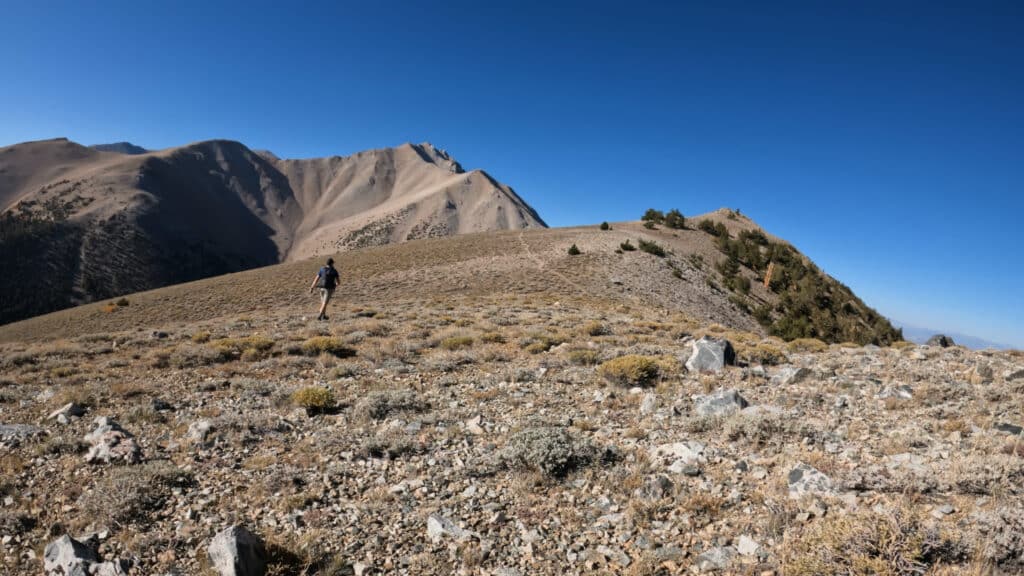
{"x":805,"y":479}
{"x":678,"y":456}
{"x":66,"y":412}
{"x":67,"y":556}
{"x":237,"y":552}
{"x":902,"y":392}
{"x":649,"y":404}
{"x":1012,"y":429}
{"x":473,"y":426}
{"x":789,"y":375}
{"x":199,"y":431}
{"x":940,"y":340}
{"x":15,"y":434}
{"x":720,"y":403}
{"x":981,"y":374}
{"x":717,"y":558}
{"x":747,"y":546}
{"x":710,"y":355}
{"x":1013,"y":374}
{"x":655,"y":487}
{"x":111,"y":442}
{"x":941,"y":512}
{"x":438,"y":527}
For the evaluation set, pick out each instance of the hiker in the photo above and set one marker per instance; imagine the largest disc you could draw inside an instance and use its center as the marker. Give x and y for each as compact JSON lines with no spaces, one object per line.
{"x":326,"y":280}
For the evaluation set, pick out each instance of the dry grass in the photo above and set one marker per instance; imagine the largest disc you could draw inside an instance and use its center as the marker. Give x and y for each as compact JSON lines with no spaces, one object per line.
{"x":895,"y":542}
{"x":630,"y":370}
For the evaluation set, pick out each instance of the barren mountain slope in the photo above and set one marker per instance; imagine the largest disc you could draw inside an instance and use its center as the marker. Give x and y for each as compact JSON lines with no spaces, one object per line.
{"x":475,"y":265}
{"x":529,"y":431}
{"x":80,"y":224}
{"x":395,"y":194}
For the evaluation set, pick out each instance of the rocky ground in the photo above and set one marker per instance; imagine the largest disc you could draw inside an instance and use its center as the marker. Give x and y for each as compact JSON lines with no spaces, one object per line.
{"x":508,"y":436}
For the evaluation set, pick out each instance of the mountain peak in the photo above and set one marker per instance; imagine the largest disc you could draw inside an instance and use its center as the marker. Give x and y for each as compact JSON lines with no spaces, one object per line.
{"x":120,"y":148}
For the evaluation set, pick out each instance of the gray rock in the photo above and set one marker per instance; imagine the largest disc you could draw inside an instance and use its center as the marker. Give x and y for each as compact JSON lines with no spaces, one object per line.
{"x":66,"y":556}
{"x":118,"y":568}
{"x":747,"y":546}
{"x":941,"y":512}
{"x":14,"y":434}
{"x":1012,"y":429}
{"x":678,"y":455}
{"x":69,"y":410}
{"x":718,"y":558}
{"x":1013,"y":374}
{"x":710,"y":355}
{"x":902,"y":392}
{"x":111,"y":442}
{"x":649,"y":404}
{"x":720,"y":403}
{"x":655,"y":487}
{"x":237,"y":552}
{"x":982,"y":373}
{"x":805,"y":479}
{"x":199,"y":431}
{"x":940,"y":340}
{"x":788,"y":375}
{"x":438,"y":527}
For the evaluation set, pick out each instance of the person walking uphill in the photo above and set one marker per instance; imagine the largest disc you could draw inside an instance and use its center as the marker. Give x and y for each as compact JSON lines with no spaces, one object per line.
{"x":326,"y":280}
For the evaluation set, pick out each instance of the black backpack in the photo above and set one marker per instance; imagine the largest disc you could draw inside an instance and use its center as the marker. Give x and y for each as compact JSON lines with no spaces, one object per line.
{"x":328,"y":278}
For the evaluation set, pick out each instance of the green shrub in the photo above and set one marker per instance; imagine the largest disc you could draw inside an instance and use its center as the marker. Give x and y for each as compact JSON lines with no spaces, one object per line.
{"x":653,"y":216}
{"x":574,"y":251}
{"x":326,"y":345}
{"x":379,"y":404}
{"x":626,"y":246}
{"x":605,"y":226}
{"x":122,"y":302}
{"x":649,"y":225}
{"x":674,"y":219}
{"x":315,"y":399}
{"x":550,"y":450}
{"x":708,"y":226}
{"x":651,"y":248}
{"x":630,"y":370}
{"x":456,"y":342}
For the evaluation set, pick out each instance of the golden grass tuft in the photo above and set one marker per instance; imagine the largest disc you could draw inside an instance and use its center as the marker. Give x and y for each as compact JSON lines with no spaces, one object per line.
{"x":314,"y":398}
{"x":334,"y":346}
{"x":456,"y":342}
{"x":630,"y":370}
{"x":806,"y":345}
{"x":867,"y":542}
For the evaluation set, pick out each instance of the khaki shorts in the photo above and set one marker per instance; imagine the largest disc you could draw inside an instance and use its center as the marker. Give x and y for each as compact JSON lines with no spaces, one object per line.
{"x":325,"y":295}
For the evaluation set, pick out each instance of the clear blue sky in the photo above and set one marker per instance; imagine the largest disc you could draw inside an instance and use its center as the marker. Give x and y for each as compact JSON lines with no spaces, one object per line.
{"x":885,"y":139}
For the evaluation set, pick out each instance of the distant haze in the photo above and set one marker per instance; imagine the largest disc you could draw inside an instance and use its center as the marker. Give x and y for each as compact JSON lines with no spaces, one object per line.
{"x":921,"y":335}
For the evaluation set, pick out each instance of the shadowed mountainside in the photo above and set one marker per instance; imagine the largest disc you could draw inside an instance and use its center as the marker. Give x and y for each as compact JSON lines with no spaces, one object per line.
{"x":81,"y":224}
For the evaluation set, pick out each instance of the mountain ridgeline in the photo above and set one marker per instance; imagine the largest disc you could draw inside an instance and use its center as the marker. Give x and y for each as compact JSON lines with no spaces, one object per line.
{"x":79,"y":224}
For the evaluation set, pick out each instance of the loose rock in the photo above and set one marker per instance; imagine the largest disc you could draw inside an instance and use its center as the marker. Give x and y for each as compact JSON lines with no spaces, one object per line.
{"x":720,"y":403}
{"x":710,"y":355}
{"x":237,"y":552}
{"x":111,"y":442}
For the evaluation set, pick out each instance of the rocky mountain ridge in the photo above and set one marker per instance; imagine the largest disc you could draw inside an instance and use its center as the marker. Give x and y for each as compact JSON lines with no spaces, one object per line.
{"x":80,"y":224}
